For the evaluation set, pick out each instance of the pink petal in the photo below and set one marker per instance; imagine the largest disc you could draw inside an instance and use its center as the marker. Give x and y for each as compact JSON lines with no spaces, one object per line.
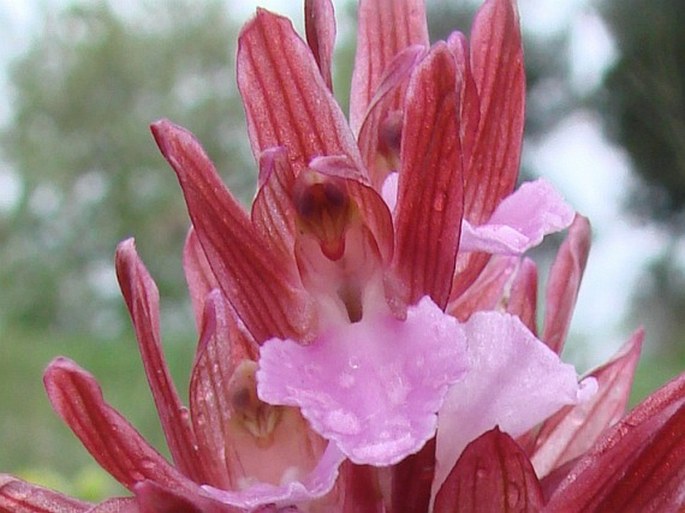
{"x":319,"y":19}
{"x":638,"y":465}
{"x":110,"y":439}
{"x":372,"y":387}
{"x":497,"y":67}
{"x":17,"y":496}
{"x":570,"y":432}
{"x":384,"y":29}
{"x":516,"y":382}
{"x":269,"y":299}
{"x":493,"y":474}
{"x":317,"y":484}
{"x":564,"y":283}
{"x":430,"y":197}
{"x":520,"y":221}
{"x":142,"y":300}
{"x":221,"y":349}
{"x":287,"y":103}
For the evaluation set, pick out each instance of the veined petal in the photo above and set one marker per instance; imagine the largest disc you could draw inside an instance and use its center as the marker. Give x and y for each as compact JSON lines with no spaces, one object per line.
{"x":286,"y":101}
{"x":520,"y":221}
{"x":564,"y":282}
{"x":273,"y":213}
{"x":317,"y":484}
{"x":17,"y":496}
{"x":523,"y":297}
{"x":319,"y":21}
{"x":430,"y":191}
{"x":220,"y":350}
{"x":638,"y":465}
{"x":142,"y":300}
{"x":268,"y":298}
{"x":574,"y":429}
{"x":384,"y":29}
{"x":372,"y":387}
{"x":110,"y":439}
{"x":380,"y":134}
{"x":199,"y":275}
{"x":517,"y":383}
{"x":492,"y":474}
{"x":497,"y":67}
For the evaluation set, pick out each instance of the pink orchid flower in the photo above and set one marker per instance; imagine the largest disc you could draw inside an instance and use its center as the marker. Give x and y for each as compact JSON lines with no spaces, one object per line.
{"x":367,"y":331}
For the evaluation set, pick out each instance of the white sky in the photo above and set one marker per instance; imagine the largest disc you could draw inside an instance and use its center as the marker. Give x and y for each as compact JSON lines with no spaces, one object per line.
{"x":576,"y":158}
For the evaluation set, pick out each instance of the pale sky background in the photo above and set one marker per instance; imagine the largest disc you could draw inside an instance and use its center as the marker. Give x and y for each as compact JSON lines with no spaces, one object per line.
{"x":576,"y":158}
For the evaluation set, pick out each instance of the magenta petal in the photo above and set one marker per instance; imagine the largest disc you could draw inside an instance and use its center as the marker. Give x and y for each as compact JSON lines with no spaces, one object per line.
{"x":317,"y":484}
{"x":520,"y":222}
{"x":515,"y":382}
{"x":373,"y":387}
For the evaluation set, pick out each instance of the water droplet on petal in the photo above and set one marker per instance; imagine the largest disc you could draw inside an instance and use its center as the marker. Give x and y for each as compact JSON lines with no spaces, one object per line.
{"x":513,"y":494}
{"x":353,"y":362}
{"x":343,"y":422}
{"x":439,"y":201}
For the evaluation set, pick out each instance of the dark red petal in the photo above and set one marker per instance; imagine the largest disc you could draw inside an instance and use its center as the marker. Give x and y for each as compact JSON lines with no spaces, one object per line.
{"x":470,"y":105}
{"x":142,"y":300}
{"x":358,"y":486}
{"x":273,"y":213}
{"x":574,"y":429}
{"x":17,"y":496}
{"x":384,"y":29}
{"x":110,"y":439}
{"x":412,"y":479}
{"x":564,"y":282}
{"x":430,"y":191}
{"x":497,"y":67}
{"x":493,"y":474}
{"x":286,"y":101}
{"x":267,"y":297}
{"x":199,"y":274}
{"x":221,"y":348}
{"x":319,"y":21}
{"x":638,"y":465}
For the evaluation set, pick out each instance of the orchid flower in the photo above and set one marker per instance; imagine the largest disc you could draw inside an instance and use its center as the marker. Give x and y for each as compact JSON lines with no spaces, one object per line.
{"x":367,"y":332}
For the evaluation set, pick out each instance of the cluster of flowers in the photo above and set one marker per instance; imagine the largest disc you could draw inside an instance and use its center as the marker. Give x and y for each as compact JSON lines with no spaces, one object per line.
{"x":367,"y":332}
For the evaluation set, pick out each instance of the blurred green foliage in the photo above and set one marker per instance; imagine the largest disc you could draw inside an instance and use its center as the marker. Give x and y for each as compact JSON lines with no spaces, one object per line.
{"x":83,"y":96}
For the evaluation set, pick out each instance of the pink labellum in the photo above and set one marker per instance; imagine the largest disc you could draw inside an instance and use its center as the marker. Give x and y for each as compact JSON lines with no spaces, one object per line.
{"x":520,"y":221}
{"x":372,"y":387}
{"x":519,"y":382}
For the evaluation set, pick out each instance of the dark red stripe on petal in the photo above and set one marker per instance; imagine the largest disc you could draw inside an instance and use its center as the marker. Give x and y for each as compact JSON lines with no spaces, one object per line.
{"x":493,"y":474}
{"x":267,"y":297}
{"x":142,"y":300}
{"x":286,"y":101}
{"x":319,"y":20}
{"x":110,"y":439}
{"x":497,"y":67}
{"x":17,"y":496}
{"x":638,"y":465}
{"x":384,"y":29}
{"x":430,"y":195}
{"x":199,"y":275}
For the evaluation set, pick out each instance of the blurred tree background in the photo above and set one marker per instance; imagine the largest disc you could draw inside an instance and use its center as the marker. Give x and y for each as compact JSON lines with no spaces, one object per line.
{"x":89,"y":175}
